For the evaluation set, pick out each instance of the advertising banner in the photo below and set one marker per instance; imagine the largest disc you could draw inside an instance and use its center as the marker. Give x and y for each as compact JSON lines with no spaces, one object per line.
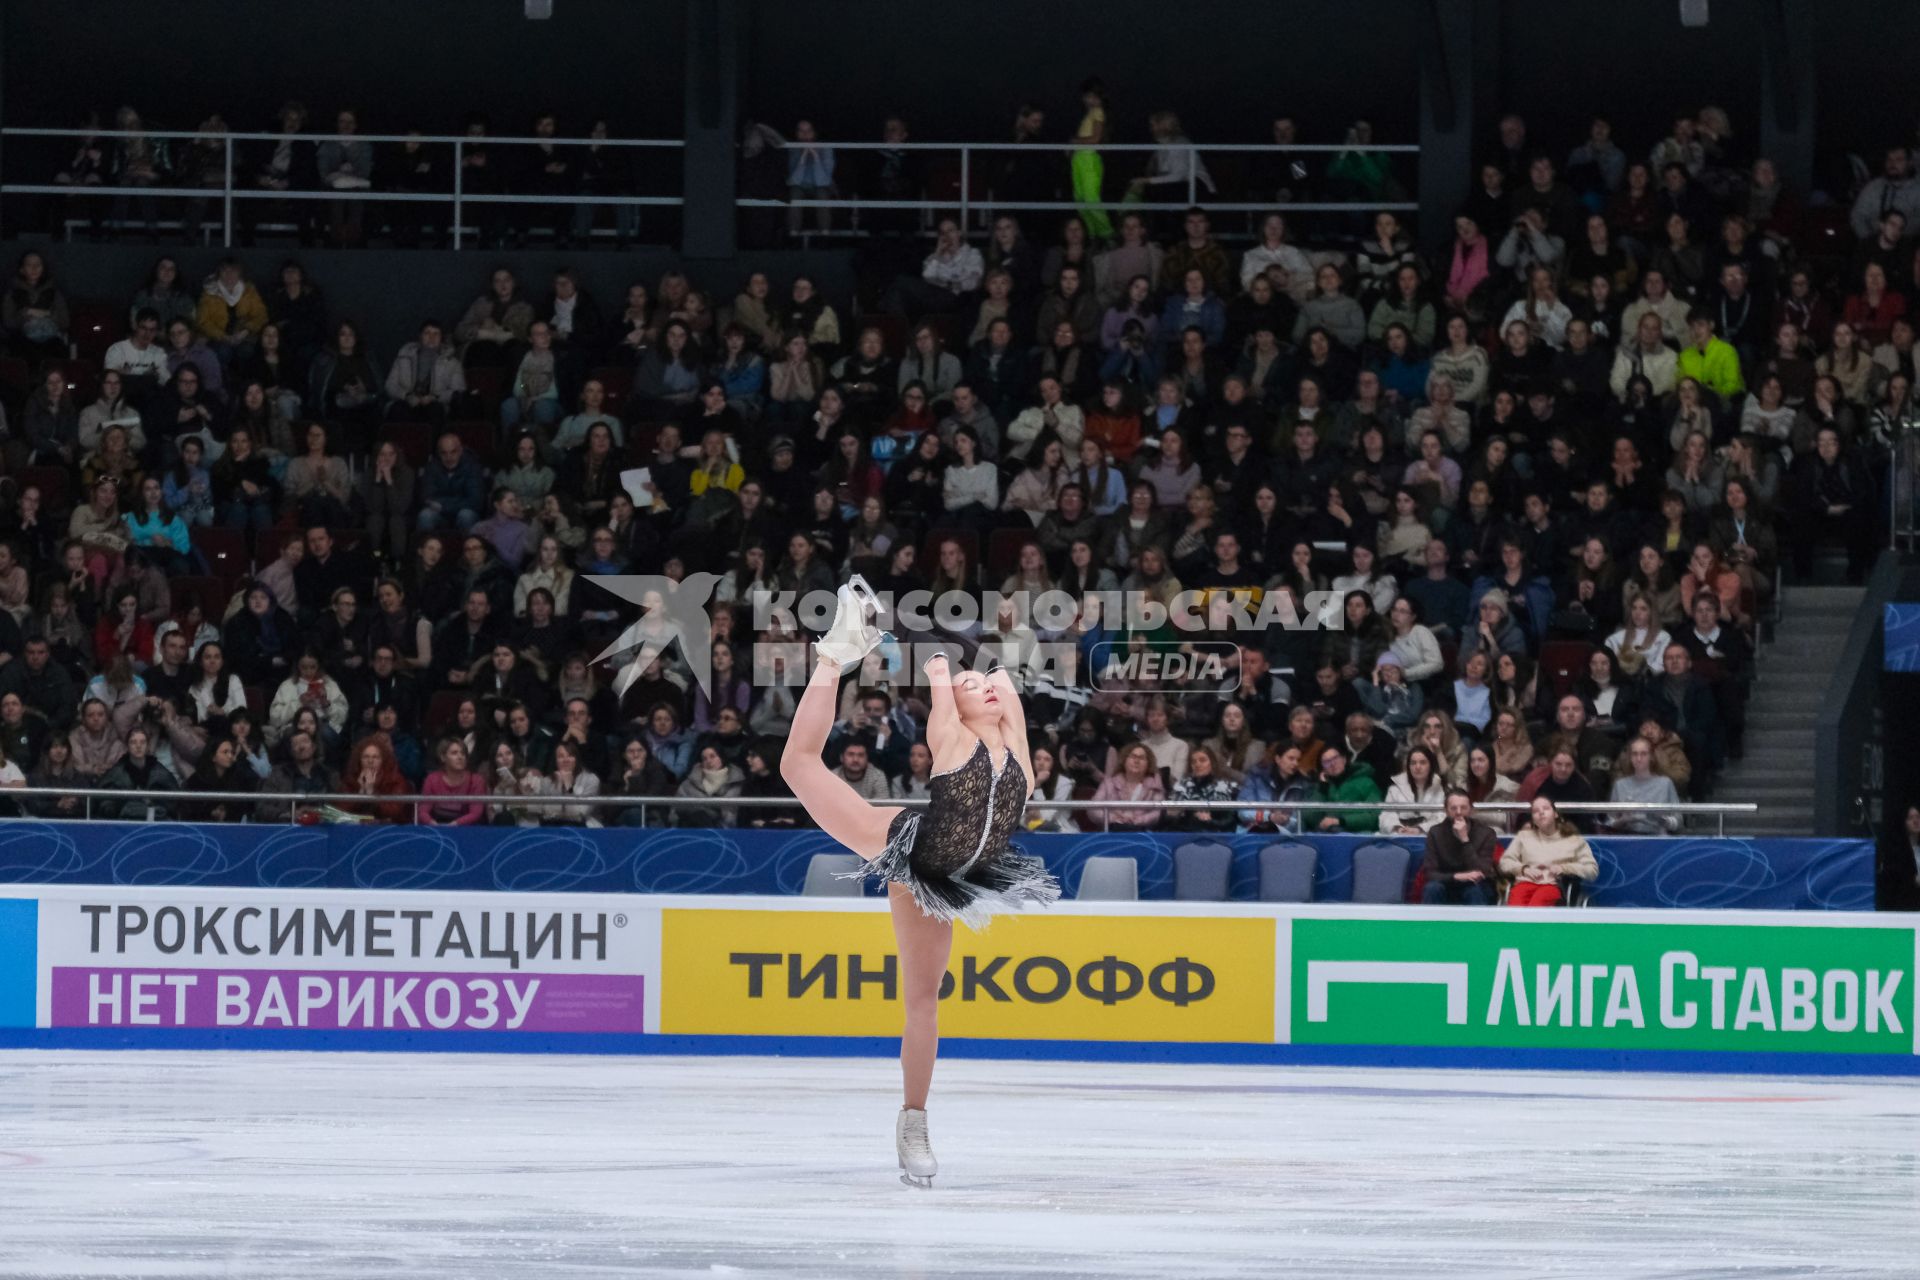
{"x":1235,"y":982}
{"x":1547,"y":983}
{"x":237,"y":962}
{"x":1043,"y":976}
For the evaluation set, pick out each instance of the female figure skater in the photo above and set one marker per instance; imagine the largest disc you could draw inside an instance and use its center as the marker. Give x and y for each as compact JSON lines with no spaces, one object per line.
{"x":949,"y":862}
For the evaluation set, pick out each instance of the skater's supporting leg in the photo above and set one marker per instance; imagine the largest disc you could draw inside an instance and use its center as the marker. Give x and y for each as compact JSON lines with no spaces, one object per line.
{"x":842,"y":812}
{"x":924,"y":946}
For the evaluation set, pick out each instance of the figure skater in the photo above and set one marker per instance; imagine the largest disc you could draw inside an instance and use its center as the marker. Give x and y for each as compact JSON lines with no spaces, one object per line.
{"x":949,"y":862}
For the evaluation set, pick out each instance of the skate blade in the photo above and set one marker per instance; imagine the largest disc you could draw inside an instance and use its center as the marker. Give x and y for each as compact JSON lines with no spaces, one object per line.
{"x":922,"y":1184}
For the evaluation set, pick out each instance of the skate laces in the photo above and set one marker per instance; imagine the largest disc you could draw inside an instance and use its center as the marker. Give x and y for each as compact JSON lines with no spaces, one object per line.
{"x":913,"y":1132}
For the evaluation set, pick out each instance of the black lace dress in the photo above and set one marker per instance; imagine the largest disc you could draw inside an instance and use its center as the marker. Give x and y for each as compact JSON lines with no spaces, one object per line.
{"x":954,"y":855}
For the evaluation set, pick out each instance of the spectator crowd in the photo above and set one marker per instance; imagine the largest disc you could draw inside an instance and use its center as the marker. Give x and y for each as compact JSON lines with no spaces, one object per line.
{"x":1535,"y":491}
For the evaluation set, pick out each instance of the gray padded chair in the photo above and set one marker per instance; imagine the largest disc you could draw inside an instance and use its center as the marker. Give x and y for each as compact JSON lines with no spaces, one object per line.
{"x":1380,"y":872}
{"x":1109,"y":880}
{"x":1202,"y":871}
{"x":1286,"y":872}
{"x":823,"y":876}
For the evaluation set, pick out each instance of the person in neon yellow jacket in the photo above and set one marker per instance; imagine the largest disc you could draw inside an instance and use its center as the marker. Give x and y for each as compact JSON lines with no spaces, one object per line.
{"x":1088,"y":169}
{"x":1708,"y":360}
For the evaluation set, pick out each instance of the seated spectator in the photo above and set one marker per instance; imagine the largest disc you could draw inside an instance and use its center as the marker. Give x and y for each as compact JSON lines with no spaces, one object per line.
{"x":1485,"y":783}
{"x":318,"y":484}
{"x":33,"y":312}
{"x":452,"y":487}
{"x":137,"y":770}
{"x":425,"y":378}
{"x":374,"y":773}
{"x":451,"y":779}
{"x":950,"y":274}
{"x":1393,"y":704}
{"x":1274,"y":789}
{"x":1542,"y":854}
{"x":1458,"y":862}
{"x":244,"y":490}
{"x":1135,"y":781}
{"x":156,"y":532}
{"x":1205,"y":782}
{"x":221,"y":770}
{"x":1637,"y":783}
{"x":261,"y":640}
{"x":534,"y":395}
{"x":1640,"y":640}
{"x":1419,"y":795}
{"x":495,"y":324}
{"x":1343,"y":783}
{"x":309,"y":686}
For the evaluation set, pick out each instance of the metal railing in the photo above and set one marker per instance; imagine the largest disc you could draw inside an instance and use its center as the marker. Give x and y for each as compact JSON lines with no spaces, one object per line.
{"x":456,"y":195}
{"x":969,"y":198}
{"x":965,"y":202}
{"x":295,"y":801}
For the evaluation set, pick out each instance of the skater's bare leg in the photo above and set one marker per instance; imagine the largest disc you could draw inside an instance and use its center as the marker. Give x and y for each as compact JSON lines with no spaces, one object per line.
{"x":924,"y":946}
{"x":842,"y":812}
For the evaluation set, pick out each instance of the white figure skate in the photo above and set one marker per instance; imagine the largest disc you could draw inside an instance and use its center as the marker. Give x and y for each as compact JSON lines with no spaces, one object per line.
{"x":854,"y":633}
{"x":916,"y":1149}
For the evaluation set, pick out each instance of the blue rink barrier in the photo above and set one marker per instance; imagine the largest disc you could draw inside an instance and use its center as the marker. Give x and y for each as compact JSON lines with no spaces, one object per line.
{"x":1697,"y":872}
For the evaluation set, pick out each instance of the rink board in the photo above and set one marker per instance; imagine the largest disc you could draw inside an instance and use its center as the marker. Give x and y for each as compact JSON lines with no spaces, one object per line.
{"x":200,"y":967}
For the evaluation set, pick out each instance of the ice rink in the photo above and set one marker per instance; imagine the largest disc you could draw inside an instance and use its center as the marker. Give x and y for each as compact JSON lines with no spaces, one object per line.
{"x":323,"y":1166}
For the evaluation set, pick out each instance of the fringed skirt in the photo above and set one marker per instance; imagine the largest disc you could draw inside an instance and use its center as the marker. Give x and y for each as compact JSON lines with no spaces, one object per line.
{"x":973,"y":894}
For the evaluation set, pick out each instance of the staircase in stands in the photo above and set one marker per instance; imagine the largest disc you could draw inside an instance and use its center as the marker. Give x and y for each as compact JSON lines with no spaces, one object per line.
{"x":1793,"y":674}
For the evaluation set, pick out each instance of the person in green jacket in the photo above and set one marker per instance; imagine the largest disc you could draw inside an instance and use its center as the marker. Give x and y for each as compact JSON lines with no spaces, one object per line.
{"x":1344,"y":781}
{"x":1708,"y":360}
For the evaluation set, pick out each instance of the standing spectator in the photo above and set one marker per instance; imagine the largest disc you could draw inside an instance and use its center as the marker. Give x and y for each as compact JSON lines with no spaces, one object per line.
{"x":809,"y":177}
{"x":345,"y":163}
{"x":1833,"y":498}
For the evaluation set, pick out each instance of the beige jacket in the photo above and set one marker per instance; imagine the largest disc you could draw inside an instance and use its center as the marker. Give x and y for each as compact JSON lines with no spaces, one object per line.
{"x":1566,"y":855}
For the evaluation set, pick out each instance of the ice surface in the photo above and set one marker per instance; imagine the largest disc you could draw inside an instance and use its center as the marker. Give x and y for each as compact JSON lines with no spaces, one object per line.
{"x":328,"y":1166}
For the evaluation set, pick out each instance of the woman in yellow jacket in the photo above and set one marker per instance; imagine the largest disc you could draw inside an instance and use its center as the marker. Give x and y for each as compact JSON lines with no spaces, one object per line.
{"x":230,"y":313}
{"x":1545,"y":850}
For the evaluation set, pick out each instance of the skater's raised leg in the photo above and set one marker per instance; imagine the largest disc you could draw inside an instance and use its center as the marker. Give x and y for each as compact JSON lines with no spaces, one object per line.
{"x":842,"y":812}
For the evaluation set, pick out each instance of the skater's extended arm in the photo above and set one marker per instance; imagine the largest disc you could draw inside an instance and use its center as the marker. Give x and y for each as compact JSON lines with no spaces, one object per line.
{"x":1013,"y":718}
{"x":943,"y":717}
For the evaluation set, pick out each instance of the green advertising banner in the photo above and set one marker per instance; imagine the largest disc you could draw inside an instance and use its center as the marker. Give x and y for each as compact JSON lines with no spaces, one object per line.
{"x":1602,"y":985}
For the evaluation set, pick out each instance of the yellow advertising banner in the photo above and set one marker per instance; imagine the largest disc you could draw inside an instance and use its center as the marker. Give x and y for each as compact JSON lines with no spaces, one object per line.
{"x":1028,"y":977}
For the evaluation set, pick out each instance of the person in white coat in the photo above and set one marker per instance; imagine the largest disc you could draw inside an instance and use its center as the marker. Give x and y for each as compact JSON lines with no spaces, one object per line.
{"x":1418,"y":785}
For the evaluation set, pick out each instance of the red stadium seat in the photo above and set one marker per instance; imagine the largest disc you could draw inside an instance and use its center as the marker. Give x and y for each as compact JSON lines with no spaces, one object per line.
{"x":50,"y":481}
{"x":414,"y":440}
{"x":82,"y":375}
{"x":225,"y":551}
{"x":1563,"y":662}
{"x":210,"y":594}
{"x":618,"y":381}
{"x":441,"y":709}
{"x":1003,"y":552}
{"x":95,"y":326}
{"x":489,"y":386}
